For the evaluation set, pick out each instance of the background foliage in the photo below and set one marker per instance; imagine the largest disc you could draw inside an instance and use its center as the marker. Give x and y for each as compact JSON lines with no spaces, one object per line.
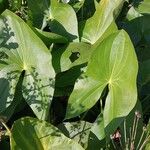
{"x":74,"y":74}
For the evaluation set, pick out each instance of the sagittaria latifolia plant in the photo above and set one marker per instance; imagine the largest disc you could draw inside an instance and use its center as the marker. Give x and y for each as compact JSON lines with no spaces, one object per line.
{"x":69,"y":72}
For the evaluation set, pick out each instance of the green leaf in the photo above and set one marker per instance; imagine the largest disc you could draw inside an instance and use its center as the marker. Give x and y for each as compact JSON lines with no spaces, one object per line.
{"x":96,"y":26}
{"x":60,"y":17}
{"x":33,"y":134}
{"x":78,"y":131}
{"x":38,"y":18}
{"x":77,"y":4}
{"x":144,"y":7}
{"x":70,"y":55}
{"x":144,"y":72}
{"x":22,"y":51}
{"x":113,"y":63}
{"x":63,"y":20}
{"x":48,"y":37}
{"x":3,"y":5}
{"x":98,"y":127}
{"x":133,"y":13}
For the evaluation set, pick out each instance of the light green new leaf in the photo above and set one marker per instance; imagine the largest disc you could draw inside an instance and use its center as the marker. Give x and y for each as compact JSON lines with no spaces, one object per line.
{"x":96,"y":26}
{"x":21,"y":50}
{"x":113,"y":63}
{"x":33,"y":134}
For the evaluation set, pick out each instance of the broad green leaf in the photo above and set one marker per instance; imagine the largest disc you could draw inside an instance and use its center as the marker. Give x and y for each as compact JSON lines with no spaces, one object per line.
{"x":38,"y":18}
{"x":96,"y":26}
{"x":63,"y":20}
{"x":70,"y":55}
{"x":138,"y":29}
{"x":144,"y":72}
{"x":33,"y":134}
{"x":60,"y":17}
{"x":98,"y":128}
{"x":133,"y":13}
{"x":48,"y":37}
{"x":113,"y":63}
{"x":78,"y":131}
{"x":144,"y":7}
{"x":23,"y":51}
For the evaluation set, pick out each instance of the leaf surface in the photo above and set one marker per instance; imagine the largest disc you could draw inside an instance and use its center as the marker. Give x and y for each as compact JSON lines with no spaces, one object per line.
{"x":113,"y":63}
{"x":33,"y":134}
{"x":23,"y":51}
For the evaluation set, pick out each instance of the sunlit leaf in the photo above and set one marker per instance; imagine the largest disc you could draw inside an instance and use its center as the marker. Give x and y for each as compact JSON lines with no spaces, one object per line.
{"x":96,"y":26}
{"x":113,"y":63}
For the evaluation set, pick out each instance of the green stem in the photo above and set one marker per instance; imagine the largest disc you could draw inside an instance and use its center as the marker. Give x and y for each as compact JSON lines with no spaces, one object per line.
{"x":140,"y":139}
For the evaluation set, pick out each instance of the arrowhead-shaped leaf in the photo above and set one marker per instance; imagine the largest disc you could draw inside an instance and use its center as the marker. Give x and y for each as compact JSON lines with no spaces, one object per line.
{"x":113,"y":63}
{"x":21,"y":50}
{"x":60,"y":17}
{"x":96,"y":26}
{"x":32,"y":134}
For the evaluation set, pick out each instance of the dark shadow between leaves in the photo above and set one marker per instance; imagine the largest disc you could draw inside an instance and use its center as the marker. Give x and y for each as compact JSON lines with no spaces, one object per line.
{"x":58,"y":28}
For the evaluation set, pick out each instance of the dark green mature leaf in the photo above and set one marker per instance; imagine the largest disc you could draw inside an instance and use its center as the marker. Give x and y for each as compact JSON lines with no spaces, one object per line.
{"x":96,"y":26}
{"x":113,"y":63}
{"x":21,"y":50}
{"x":33,"y":134}
{"x":38,"y":12}
{"x":145,"y":72}
{"x":3,"y":5}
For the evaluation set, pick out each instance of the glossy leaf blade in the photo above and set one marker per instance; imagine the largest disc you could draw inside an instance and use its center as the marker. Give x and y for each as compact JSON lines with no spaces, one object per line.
{"x":96,"y":26}
{"x":113,"y":63}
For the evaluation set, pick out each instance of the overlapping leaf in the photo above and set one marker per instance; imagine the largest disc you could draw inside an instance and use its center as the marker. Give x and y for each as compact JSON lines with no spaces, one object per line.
{"x":101,"y":20}
{"x":32,"y":134}
{"x":113,"y":63}
{"x":60,"y":17}
{"x":21,"y":50}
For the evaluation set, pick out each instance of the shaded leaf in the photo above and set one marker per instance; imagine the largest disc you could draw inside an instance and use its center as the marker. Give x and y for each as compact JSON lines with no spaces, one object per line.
{"x":33,"y":134}
{"x":23,"y":51}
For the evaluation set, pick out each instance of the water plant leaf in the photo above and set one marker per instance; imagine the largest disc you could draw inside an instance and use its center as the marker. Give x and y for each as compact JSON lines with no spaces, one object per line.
{"x":21,"y":50}
{"x":34,"y":134}
{"x":112,"y":63}
{"x":95,"y":27}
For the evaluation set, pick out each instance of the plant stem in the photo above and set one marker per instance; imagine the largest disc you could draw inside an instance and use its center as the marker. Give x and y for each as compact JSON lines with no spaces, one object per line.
{"x":8,"y":130}
{"x":125,"y":133}
{"x":132,"y":134}
{"x":135,"y":132}
{"x":144,"y":143}
{"x":140,"y":139}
